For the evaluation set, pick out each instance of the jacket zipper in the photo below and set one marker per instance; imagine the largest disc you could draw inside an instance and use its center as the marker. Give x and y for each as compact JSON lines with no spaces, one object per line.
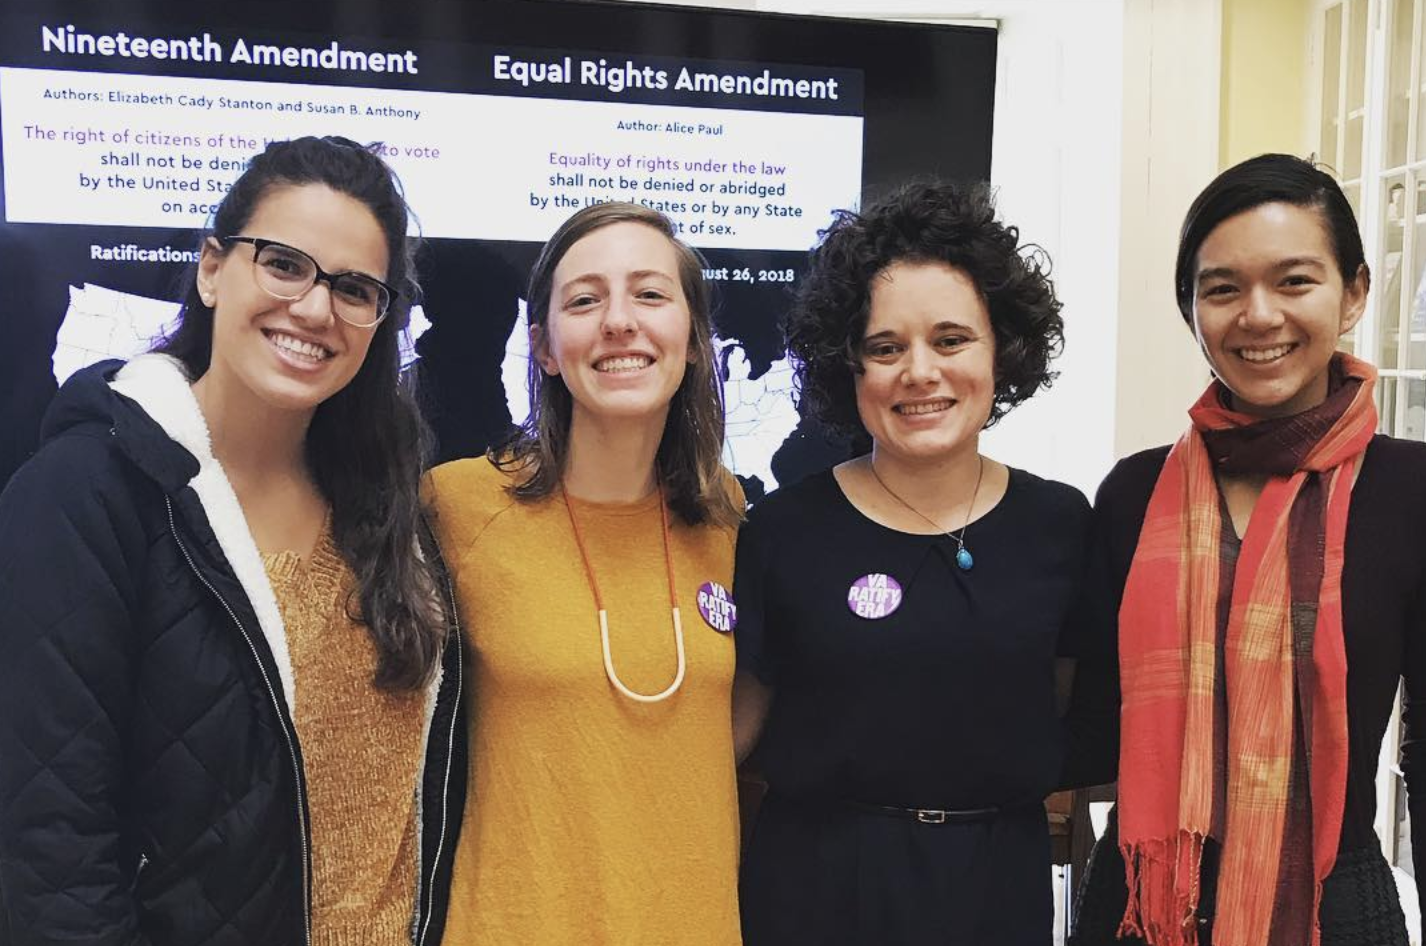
{"x":277,"y":705}
{"x":446,"y":783}
{"x":139,"y":870}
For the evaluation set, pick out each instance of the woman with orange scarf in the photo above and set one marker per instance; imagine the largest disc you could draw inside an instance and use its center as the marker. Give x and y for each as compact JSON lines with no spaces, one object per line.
{"x":1269,"y":581}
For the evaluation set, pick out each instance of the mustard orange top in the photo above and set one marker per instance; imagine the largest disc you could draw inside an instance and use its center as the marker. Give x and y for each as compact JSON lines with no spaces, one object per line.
{"x":591,"y":818}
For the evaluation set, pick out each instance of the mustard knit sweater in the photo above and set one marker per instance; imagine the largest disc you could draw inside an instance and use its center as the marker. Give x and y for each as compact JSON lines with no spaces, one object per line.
{"x":361,"y":748}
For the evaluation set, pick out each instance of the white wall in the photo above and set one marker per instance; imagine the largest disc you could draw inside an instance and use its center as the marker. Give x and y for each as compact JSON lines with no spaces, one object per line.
{"x":1172,"y":60}
{"x":1055,"y":161}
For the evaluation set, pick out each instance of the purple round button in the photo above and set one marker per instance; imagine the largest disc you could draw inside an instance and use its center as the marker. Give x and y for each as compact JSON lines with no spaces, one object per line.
{"x":717,"y":607}
{"x":874,"y":596}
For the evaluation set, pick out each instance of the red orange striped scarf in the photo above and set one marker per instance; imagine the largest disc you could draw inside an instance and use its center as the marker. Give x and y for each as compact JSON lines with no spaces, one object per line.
{"x":1173,"y":792}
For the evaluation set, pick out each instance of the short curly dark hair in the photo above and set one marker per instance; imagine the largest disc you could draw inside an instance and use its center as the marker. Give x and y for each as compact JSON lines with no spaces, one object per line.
{"x":921,"y":223}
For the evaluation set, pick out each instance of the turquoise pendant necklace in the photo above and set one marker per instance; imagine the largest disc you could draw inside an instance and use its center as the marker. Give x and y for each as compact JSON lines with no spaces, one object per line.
{"x":964,"y":560}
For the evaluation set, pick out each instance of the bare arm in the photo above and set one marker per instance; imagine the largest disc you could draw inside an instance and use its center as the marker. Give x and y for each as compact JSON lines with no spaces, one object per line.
{"x":751,"y":699}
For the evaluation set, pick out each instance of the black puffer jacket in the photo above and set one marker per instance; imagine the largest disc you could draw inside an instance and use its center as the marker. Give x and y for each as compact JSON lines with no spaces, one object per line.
{"x":151,"y":782}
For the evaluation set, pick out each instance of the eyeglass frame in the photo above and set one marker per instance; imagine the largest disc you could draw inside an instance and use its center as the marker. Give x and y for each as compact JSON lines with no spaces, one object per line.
{"x":319,"y":275}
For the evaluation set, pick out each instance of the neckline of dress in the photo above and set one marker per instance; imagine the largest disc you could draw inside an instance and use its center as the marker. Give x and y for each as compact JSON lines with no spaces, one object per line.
{"x":1013,"y":482}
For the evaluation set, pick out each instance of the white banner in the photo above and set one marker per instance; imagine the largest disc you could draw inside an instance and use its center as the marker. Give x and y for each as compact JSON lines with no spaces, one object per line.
{"x":155,"y":151}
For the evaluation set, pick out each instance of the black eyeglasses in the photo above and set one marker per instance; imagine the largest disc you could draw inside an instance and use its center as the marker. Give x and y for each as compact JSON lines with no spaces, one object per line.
{"x":287,"y":273}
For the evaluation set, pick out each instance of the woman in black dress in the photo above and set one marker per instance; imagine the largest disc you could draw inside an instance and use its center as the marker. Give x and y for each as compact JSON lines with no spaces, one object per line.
{"x":899,"y":615}
{"x":1247,"y":800}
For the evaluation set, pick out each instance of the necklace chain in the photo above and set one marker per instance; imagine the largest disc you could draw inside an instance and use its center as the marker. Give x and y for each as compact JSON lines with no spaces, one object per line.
{"x":960,"y":539}
{"x":609,"y":670}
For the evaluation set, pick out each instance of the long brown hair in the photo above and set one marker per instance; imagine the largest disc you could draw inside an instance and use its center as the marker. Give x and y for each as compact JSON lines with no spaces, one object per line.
{"x":689,"y":459}
{"x":366,"y":444}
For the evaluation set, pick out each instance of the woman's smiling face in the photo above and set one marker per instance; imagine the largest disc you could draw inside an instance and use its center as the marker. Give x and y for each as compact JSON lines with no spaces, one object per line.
{"x":1270,"y":304}
{"x":619,"y":325}
{"x":927,"y":382}
{"x":290,"y":354}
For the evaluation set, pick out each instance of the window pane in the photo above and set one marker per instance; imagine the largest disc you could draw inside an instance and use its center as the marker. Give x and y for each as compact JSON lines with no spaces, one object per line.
{"x":1352,"y":155}
{"x":1404,"y":860}
{"x":1331,"y":70}
{"x":1416,"y":328}
{"x":1356,"y":89}
{"x":1389,"y":270}
{"x":1386,"y":405}
{"x":1357,"y":57}
{"x":1353,"y":193}
{"x":1414,"y":353}
{"x":1417,"y":100}
{"x":1415,"y":428}
{"x":1398,"y":109}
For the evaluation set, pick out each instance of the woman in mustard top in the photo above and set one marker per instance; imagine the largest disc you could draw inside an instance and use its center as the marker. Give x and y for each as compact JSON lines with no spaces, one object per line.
{"x":591,"y":558}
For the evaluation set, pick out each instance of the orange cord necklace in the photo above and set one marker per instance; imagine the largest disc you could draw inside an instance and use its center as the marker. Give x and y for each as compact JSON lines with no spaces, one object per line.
{"x":609,"y":670}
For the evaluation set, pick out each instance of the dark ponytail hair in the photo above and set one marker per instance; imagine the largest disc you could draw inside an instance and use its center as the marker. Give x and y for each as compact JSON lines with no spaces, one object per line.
{"x":366,"y":445}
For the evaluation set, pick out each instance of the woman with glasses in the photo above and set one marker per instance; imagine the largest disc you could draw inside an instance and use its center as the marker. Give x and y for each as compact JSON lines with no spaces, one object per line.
{"x":592,"y":558}
{"x":228,"y":698}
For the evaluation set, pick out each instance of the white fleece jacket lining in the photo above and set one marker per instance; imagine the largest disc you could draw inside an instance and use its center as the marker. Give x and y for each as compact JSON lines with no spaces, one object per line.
{"x":159,"y":384}
{"x":161,"y":387}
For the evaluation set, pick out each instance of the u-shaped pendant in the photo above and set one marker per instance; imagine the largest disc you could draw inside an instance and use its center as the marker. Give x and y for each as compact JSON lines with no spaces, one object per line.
{"x":613,"y":674}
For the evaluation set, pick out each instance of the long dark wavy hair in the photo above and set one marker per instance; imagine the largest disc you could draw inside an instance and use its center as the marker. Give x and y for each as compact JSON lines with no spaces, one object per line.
{"x":366,"y":445}
{"x":689,"y":458}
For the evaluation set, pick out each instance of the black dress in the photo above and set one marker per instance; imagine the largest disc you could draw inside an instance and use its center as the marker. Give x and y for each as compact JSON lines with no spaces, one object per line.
{"x":945,"y":703}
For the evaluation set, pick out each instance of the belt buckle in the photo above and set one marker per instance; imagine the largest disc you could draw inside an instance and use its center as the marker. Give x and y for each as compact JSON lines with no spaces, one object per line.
{"x":930,"y":816}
